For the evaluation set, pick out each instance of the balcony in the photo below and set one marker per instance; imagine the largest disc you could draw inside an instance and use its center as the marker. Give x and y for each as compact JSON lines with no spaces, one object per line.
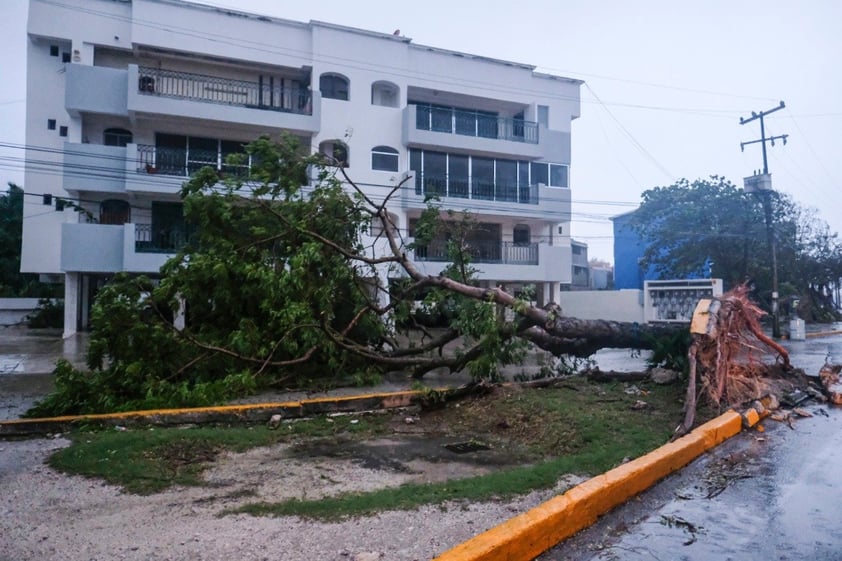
{"x":181,"y":162}
{"x":502,"y":261}
{"x":169,"y":240}
{"x":95,"y":89}
{"x":266,"y":96}
{"x":474,"y":188}
{"x":198,"y":96}
{"x":504,"y":253}
{"x":474,"y":131}
{"x":474,"y":123}
{"x":94,"y":167}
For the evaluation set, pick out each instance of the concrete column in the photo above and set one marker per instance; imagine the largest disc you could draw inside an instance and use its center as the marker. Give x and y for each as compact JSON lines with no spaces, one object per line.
{"x":71,"y":303}
{"x":549,"y":293}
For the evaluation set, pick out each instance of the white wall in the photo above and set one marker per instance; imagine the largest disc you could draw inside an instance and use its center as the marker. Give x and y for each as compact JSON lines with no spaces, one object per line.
{"x":613,"y":305}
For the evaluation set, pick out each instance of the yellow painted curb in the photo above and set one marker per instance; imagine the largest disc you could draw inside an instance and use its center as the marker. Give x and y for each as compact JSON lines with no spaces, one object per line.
{"x":535,"y":531}
{"x":245,"y":412}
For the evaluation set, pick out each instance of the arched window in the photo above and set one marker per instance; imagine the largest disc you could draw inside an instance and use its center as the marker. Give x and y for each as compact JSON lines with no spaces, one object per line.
{"x":521,"y":235}
{"x":335,"y":153}
{"x":384,"y":158}
{"x":116,"y":137}
{"x":386,"y":94}
{"x":334,"y":86}
{"x":114,"y":211}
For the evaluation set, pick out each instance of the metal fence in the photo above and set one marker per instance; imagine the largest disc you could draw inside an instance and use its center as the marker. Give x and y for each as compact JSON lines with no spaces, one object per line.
{"x":167,"y":239}
{"x":268,"y":93}
{"x":475,"y":123}
{"x":474,"y":188}
{"x":504,"y":253}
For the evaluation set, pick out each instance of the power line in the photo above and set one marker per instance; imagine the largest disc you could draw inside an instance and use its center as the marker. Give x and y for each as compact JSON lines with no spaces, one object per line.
{"x":633,"y":140}
{"x":432,"y":77}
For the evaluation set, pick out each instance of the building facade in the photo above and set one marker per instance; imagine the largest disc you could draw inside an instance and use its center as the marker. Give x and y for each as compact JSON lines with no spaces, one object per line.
{"x":127,"y":98}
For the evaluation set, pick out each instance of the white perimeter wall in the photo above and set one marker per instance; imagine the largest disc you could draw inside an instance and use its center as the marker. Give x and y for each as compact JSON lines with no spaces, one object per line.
{"x":613,"y":305}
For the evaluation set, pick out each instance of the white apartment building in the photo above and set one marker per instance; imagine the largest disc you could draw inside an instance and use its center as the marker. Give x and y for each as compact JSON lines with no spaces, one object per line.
{"x":126,"y":98}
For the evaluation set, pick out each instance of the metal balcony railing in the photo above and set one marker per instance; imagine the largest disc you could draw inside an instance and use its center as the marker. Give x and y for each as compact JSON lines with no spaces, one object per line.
{"x":160,"y":240}
{"x":183,"y":162}
{"x":269,"y":94}
{"x":504,"y":253}
{"x":474,"y":188}
{"x":474,"y":123}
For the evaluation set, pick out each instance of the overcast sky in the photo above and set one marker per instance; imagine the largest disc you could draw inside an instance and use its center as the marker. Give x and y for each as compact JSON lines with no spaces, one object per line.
{"x":666,"y":84}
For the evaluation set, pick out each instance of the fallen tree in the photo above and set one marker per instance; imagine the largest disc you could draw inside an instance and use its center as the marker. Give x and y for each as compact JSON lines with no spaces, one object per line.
{"x":291,"y":284}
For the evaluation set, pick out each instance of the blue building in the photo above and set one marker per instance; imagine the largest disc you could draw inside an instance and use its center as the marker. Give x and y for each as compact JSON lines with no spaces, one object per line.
{"x":628,"y":253}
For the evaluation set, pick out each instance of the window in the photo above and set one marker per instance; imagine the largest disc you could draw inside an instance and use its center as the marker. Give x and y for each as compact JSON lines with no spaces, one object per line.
{"x":336,"y":152}
{"x":51,"y":124}
{"x":577,"y":250}
{"x":334,"y":86}
{"x":62,"y":131}
{"x":385,"y":94}
{"x":114,"y":211}
{"x":53,"y":50}
{"x":558,"y":176}
{"x":552,"y":175}
{"x":539,"y":174}
{"x":384,"y":158}
{"x":521,"y":235}
{"x":116,"y":137}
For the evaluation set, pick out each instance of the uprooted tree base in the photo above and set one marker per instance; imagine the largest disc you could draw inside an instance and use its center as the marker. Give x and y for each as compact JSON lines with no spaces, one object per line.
{"x":727,"y":355}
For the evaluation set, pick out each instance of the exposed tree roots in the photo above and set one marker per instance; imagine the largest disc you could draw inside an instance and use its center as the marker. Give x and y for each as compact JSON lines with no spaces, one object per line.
{"x":727,"y":355}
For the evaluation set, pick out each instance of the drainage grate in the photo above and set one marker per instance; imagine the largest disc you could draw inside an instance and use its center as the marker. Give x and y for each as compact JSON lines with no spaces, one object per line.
{"x":468,"y":446}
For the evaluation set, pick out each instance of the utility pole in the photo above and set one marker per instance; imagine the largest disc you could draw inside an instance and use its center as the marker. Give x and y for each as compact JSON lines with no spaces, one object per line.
{"x":762,"y":184}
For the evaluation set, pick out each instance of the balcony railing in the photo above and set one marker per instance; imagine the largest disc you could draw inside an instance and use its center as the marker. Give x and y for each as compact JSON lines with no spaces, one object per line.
{"x":475,"y":123}
{"x":160,"y":240}
{"x":474,"y":188}
{"x":268,"y":94}
{"x":504,"y":253}
{"x":183,"y":162}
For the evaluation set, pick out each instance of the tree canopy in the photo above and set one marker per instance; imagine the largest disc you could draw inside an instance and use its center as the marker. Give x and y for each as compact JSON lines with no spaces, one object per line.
{"x":712,"y":226}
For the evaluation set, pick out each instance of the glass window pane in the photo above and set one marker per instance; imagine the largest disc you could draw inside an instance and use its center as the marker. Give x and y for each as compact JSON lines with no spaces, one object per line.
{"x":458,"y":184}
{"x":415,"y":165}
{"x":384,"y":162}
{"x":558,"y":175}
{"x":442,"y":119}
{"x":435,"y":173}
{"x":506,"y":180}
{"x":482,"y":178}
{"x":539,"y":174}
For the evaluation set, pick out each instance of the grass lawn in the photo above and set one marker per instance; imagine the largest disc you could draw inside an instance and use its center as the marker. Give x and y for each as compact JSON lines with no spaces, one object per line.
{"x":576,"y":426}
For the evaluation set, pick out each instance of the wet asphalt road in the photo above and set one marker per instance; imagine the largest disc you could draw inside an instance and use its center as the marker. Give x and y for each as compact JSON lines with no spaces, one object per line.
{"x":772,"y":495}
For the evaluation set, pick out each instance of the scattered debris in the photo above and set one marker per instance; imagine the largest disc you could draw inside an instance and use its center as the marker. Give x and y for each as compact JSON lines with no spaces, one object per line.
{"x":679,"y":522}
{"x":410,"y":420}
{"x":829,"y":376}
{"x":368,"y":556}
{"x":467,"y":446}
{"x":663,"y":376}
{"x":801,"y":412}
{"x":634,"y":390}
{"x":794,"y":398}
{"x":639,"y":404}
{"x":274,"y":422}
